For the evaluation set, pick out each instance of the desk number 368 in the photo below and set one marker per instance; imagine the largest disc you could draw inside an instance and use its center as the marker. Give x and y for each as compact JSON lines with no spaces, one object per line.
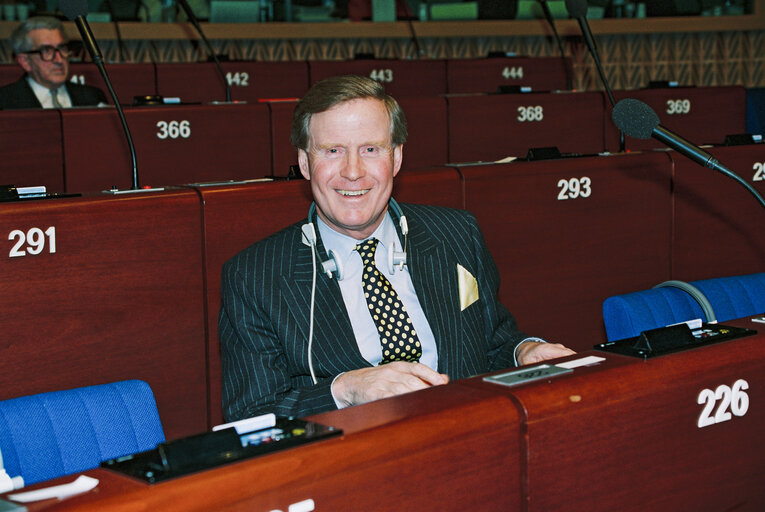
{"x":725,"y":398}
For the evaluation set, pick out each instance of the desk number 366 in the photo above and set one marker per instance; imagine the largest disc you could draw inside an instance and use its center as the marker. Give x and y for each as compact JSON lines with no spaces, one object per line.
{"x":725,"y":398}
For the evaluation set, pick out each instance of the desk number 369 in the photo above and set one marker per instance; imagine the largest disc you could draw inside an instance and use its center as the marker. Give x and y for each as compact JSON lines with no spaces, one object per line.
{"x":725,"y":398}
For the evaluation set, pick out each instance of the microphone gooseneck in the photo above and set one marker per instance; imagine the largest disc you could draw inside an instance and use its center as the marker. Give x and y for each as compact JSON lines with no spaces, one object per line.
{"x":578,"y":9}
{"x":193,"y":19}
{"x":636,"y":119}
{"x":76,"y":10}
{"x":559,"y":42}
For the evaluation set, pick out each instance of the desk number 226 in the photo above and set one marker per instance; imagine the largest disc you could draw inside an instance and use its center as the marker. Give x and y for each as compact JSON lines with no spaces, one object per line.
{"x":734,"y":398}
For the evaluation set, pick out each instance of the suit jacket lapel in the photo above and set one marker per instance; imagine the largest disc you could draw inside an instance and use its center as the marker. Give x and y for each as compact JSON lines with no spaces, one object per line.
{"x":434,"y":276}
{"x":333,"y":333}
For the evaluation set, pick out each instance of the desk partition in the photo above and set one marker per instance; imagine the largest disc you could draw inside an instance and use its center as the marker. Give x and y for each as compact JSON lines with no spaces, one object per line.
{"x":32,"y":149}
{"x":100,"y":289}
{"x":173,"y":145}
{"x":676,"y":432}
{"x":718,"y":224}
{"x":488,"y":75}
{"x":491,"y":127}
{"x":568,"y":233}
{"x":201,"y":82}
{"x":400,"y":77}
{"x":128,"y":80}
{"x":701,"y":115}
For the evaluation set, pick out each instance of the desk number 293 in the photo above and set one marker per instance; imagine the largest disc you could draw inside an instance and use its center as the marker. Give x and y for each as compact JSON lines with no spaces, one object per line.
{"x":727,"y":399}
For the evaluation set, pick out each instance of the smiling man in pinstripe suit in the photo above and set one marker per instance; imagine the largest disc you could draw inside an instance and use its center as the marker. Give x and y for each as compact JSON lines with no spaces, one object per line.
{"x":349,"y":135}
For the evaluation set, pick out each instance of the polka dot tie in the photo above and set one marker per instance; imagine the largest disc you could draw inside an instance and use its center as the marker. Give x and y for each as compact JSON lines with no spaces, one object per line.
{"x":397,"y":335}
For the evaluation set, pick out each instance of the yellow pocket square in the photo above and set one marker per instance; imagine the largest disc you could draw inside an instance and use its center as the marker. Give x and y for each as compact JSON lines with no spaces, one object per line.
{"x":468,"y":287}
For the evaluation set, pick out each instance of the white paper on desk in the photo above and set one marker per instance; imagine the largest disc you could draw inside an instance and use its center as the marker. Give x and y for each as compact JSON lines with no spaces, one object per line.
{"x":585,"y":361}
{"x":80,"y":485}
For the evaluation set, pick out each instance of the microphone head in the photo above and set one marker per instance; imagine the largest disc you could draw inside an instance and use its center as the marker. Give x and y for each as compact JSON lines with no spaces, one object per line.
{"x":74,"y":8}
{"x":635,"y":118}
{"x":576,"y":8}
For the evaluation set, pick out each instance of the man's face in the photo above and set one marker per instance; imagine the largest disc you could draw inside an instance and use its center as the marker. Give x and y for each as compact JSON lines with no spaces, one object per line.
{"x":351,"y":164}
{"x":49,"y":74}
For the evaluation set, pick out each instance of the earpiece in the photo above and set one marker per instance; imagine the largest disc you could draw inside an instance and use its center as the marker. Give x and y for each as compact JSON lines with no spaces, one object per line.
{"x":334,"y":265}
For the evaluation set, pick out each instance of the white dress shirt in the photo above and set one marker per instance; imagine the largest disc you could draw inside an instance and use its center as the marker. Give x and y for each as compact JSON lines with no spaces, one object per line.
{"x":44,"y":94}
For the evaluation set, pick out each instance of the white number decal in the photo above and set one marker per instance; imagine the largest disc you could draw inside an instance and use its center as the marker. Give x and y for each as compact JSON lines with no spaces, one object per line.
{"x":675,"y":107}
{"x":240,"y":79}
{"x":512,"y":72}
{"x":382,"y":75}
{"x":530,"y":114}
{"x":34,"y":239}
{"x":573,"y":188}
{"x":759,"y":171}
{"x":725,"y":398}
{"x":173,"y":129}
{"x":78,"y":79}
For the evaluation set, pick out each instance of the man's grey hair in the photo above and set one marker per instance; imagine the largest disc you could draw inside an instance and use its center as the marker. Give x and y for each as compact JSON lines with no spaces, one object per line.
{"x":20,"y":41}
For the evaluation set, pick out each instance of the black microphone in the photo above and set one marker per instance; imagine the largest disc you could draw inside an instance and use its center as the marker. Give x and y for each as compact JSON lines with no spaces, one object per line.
{"x":578,"y":9}
{"x":76,"y":10}
{"x":638,"y":120}
{"x":193,"y":19}
{"x":551,"y":22}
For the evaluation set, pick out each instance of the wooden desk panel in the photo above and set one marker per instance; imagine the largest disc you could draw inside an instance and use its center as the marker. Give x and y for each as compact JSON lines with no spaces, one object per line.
{"x":400,"y":77}
{"x":560,"y":258}
{"x":490,"y":127}
{"x":128,"y":80}
{"x":201,"y":82}
{"x":487,"y":75}
{"x":32,"y":149}
{"x":174,"y":145}
{"x":446,"y":448}
{"x":624,"y":436}
{"x":121,"y":297}
{"x":701,"y":115}
{"x":718,"y":223}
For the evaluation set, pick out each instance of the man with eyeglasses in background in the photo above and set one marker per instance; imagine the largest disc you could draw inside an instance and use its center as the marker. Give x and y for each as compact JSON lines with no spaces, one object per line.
{"x":42,"y":50}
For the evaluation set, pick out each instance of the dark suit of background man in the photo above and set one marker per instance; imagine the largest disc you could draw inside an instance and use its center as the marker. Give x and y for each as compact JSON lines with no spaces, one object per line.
{"x":349,"y":135}
{"x":41,"y":49}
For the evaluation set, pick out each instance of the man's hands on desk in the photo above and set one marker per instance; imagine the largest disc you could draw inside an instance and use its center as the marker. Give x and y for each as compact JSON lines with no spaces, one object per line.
{"x":531,"y":352}
{"x":368,"y":384}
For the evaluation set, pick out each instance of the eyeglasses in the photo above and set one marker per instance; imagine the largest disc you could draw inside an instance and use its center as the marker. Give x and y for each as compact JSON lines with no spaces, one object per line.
{"x":48,"y":52}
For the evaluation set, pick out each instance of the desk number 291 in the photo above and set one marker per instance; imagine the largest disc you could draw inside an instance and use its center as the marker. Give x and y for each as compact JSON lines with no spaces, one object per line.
{"x":32,"y":242}
{"x":725,"y":398}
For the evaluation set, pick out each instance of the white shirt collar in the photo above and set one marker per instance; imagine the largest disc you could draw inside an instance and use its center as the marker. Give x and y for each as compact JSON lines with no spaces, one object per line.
{"x":44,"y":96}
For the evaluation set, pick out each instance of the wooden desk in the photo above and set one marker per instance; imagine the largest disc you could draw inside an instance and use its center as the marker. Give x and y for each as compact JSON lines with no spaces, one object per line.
{"x":566,"y":234}
{"x":624,"y":435}
{"x":429,"y":450}
{"x":100,"y":289}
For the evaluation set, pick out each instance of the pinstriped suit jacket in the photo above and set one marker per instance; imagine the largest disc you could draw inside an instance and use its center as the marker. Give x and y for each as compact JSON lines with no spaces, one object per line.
{"x":264,"y":318}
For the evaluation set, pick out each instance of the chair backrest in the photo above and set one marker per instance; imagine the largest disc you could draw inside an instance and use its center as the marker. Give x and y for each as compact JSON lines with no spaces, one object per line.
{"x":627,"y":315}
{"x":52,"y":434}
{"x":734,"y":296}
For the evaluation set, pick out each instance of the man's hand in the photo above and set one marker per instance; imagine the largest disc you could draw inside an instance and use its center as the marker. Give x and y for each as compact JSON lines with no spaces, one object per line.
{"x":368,"y":384}
{"x":534,"y":352}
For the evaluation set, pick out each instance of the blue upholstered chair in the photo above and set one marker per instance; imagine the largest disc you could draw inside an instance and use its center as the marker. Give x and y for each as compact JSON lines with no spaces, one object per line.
{"x":720,"y":299}
{"x":52,"y":434}
{"x":735,"y":296}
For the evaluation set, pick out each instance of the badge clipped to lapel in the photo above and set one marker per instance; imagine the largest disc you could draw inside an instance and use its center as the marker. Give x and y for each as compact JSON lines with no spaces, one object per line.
{"x":468,"y":287}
